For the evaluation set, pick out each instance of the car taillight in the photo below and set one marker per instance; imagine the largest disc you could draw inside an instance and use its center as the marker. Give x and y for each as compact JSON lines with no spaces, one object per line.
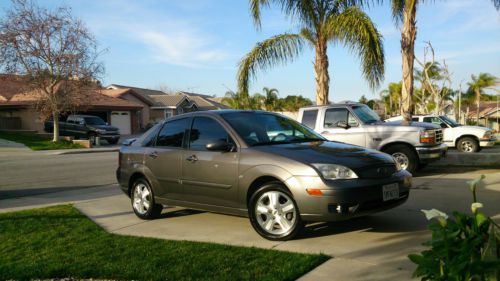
{"x":428,"y":136}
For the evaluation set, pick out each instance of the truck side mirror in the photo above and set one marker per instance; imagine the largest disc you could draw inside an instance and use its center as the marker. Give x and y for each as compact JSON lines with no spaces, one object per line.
{"x":343,"y":124}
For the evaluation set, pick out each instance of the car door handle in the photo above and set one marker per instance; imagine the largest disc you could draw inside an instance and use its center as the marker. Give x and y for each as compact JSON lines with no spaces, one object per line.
{"x":192,"y":158}
{"x":153,"y":155}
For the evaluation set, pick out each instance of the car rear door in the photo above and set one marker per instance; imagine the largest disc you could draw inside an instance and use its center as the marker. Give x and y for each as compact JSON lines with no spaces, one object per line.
{"x":164,"y":158}
{"x":209,"y":177}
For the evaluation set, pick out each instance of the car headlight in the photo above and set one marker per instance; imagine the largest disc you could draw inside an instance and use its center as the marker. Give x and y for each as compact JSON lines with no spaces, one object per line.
{"x":428,"y":136}
{"x":333,"y":171}
{"x":487,"y":135}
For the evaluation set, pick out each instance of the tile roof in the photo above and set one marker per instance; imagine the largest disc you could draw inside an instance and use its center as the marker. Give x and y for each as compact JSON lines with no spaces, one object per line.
{"x":119,"y":93}
{"x":485,"y":108}
{"x":14,"y":92}
{"x":167,"y":100}
{"x":142,"y":91}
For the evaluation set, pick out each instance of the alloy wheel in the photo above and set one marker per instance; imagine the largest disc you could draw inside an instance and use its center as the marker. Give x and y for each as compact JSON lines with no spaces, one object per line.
{"x":275,"y":212}
{"x":142,"y":198}
{"x":402,"y":160}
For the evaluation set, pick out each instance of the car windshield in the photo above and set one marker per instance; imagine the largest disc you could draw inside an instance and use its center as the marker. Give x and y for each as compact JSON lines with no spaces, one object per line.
{"x":94,"y":121}
{"x":449,"y":121}
{"x":365,"y":114}
{"x":266,"y":129}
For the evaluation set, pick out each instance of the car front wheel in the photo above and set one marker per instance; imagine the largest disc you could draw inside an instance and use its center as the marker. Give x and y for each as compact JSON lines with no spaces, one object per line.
{"x":274,"y":213}
{"x":405,"y":156}
{"x":143,"y":202}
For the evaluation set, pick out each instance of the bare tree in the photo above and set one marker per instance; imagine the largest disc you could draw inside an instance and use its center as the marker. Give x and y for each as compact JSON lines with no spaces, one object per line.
{"x":56,"y":54}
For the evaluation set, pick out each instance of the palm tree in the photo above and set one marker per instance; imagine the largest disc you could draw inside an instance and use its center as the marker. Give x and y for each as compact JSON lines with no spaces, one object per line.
{"x":392,"y":98}
{"x":479,"y":84}
{"x":321,"y":22}
{"x":235,"y":100}
{"x":405,"y":12}
{"x":271,"y":99}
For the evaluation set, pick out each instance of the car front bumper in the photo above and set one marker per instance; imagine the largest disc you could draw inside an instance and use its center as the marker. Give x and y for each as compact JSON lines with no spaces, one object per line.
{"x":432,"y":153}
{"x":345,"y":199}
{"x":488,"y":142}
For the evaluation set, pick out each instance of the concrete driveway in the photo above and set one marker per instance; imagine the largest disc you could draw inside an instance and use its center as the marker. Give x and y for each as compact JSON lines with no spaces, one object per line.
{"x":370,"y":248}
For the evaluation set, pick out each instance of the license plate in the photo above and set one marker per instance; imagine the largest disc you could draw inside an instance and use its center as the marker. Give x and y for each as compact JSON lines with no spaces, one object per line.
{"x":390,"y":191}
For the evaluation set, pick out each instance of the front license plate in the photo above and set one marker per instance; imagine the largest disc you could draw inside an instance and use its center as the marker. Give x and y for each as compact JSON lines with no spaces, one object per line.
{"x":390,"y":191}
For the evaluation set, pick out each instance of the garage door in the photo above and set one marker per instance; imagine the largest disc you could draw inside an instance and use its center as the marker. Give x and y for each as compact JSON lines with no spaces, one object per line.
{"x":121,"y":120}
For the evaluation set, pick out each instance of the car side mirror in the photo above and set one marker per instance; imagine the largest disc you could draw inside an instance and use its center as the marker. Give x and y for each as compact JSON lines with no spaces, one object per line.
{"x":219,"y":145}
{"x":443,"y":125}
{"x":107,"y":124}
{"x":343,"y":124}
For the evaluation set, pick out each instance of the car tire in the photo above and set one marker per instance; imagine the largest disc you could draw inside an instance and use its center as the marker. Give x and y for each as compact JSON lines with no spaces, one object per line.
{"x":274,"y":213}
{"x":422,"y":166}
{"x":406,"y":157}
{"x":468,"y":145}
{"x":143,"y":201}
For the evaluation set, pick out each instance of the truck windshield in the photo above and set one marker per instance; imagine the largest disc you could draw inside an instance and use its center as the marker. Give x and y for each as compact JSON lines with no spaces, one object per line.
{"x":365,"y":114}
{"x":267,"y":129}
{"x":449,"y":121}
{"x":94,"y":121}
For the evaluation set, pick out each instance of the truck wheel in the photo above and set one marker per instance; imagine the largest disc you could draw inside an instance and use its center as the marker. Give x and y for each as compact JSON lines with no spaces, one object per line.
{"x":92,"y":138}
{"x":405,"y":156}
{"x":468,"y":145}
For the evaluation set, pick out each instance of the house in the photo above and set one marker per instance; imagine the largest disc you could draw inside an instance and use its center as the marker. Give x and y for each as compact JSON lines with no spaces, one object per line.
{"x":166,"y":105}
{"x":489,"y":114}
{"x":17,"y":107}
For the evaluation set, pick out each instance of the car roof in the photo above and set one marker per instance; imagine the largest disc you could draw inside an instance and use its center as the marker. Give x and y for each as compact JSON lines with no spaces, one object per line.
{"x":340,"y":104}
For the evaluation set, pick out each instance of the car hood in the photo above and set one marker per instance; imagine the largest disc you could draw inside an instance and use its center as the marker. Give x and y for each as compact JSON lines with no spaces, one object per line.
{"x":427,"y":126}
{"x":473,"y":128}
{"x":339,"y":153}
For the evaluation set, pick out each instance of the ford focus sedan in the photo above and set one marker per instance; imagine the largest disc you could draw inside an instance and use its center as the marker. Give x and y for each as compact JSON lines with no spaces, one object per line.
{"x":268,"y":167}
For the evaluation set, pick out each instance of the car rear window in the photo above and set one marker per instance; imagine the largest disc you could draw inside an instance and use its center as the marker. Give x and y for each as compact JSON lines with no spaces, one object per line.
{"x":172,"y":133}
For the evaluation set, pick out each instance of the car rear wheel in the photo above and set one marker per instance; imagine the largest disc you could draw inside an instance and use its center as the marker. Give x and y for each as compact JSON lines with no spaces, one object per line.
{"x":468,"y":145}
{"x":405,"y":156}
{"x":143,"y":201}
{"x":92,"y":138}
{"x":274,"y":214}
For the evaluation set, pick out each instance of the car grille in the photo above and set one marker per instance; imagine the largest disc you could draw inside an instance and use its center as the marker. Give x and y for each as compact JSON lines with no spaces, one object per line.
{"x":377,"y":172}
{"x":439,"y":136}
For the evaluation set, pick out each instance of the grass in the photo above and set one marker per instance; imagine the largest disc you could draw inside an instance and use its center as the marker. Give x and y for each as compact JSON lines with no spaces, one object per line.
{"x":57,"y":242}
{"x":37,"y":142}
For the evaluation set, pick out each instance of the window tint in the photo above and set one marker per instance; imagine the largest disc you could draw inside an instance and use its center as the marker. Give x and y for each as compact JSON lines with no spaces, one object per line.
{"x":150,"y":136}
{"x":172,"y":133}
{"x":334,"y":115}
{"x":204,"y":131}
{"x":414,"y":119}
{"x":433,"y":120}
{"x":309,"y":118}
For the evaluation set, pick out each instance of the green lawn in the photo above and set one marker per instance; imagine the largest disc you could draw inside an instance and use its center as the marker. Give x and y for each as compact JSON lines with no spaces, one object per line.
{"x":36,"y":142}
{"x":59,"y":241}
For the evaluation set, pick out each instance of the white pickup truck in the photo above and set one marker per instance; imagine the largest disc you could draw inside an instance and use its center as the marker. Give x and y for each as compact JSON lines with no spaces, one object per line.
{"x":412,"y":145}
{"x":464,"y":138}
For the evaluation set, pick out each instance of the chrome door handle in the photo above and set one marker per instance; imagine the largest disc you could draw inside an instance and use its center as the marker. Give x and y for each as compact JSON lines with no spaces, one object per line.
{"x":153,"y":155}
{"x":192,"y":158}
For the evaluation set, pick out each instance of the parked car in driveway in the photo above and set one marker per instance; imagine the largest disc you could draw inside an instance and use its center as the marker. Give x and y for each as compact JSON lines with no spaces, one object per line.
{"x":413,"y":145}
{"x":86,"y":127}
{"x":268,"y":167}
{"x":465,"y":138}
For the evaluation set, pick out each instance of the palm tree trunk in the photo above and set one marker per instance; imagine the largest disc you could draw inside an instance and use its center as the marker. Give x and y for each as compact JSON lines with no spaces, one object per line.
{"x":321,"y":73}
{"x":408,"y":35}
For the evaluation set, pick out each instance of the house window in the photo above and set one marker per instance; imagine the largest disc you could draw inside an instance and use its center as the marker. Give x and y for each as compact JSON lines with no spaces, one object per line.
{"x":168,"y":113}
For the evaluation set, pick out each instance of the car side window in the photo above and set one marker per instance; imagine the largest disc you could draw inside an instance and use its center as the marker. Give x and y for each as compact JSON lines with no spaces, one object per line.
{"x":433,"y":120}
{"x":309,"y":118}
{"x":204,"y":131}
{"x":335,"y":115}
{"x":172,"y":133}
{"x":414,"y":119}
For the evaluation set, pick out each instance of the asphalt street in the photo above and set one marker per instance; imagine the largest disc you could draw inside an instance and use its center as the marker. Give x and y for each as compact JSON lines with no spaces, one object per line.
{"x":27,"y":173}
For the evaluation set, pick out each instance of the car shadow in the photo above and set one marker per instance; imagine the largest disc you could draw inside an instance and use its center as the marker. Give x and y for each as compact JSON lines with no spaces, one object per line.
{"x":179,"y":213}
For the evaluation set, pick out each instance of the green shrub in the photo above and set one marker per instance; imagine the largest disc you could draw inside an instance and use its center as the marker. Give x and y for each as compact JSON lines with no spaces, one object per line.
{"x":463,"y":247}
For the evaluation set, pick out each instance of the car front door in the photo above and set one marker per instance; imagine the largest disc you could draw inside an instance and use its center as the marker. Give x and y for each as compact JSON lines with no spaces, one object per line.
{"x":354,"y":133}
{"x":209,"y":177}
{"x":164,"y":157}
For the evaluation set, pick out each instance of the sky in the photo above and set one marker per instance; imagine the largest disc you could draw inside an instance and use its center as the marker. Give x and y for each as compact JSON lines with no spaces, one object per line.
{"x":195,"y":45}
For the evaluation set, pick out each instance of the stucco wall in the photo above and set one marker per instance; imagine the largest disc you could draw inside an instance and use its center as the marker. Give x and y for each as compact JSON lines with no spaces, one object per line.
{"x":30,"y":119}
{"x":145,"y":111}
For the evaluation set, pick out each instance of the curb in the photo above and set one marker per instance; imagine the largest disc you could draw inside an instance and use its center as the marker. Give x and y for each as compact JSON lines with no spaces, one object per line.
{"x":476,"y":159}
{"x":89,"y":150}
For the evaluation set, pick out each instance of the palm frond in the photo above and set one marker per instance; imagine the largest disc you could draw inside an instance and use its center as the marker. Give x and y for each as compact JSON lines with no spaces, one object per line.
{"x":309,"y":35}
{"x":276,"y":50}
{"x":397,"y":8}
{"x":255,"y":7}
{"x":355,"y":30}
